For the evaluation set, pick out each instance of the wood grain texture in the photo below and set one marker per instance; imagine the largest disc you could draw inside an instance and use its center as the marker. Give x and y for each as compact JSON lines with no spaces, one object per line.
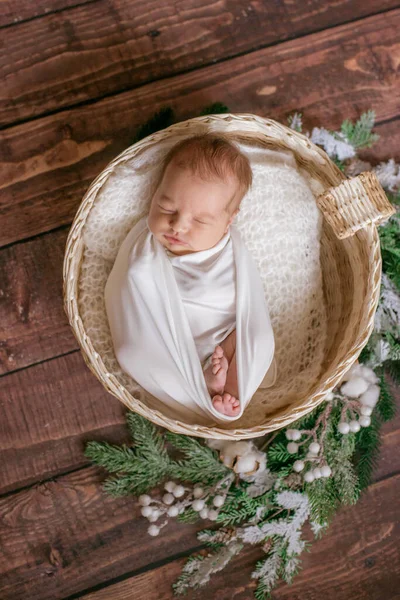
{"x":13,"y":13}
{"x":73,"y":538}
{"x":51,"y":410}
{"x":33,"y":325}
{"x":48,"y":164}
{"x":135,"y":43}
{"x":63,"y":536}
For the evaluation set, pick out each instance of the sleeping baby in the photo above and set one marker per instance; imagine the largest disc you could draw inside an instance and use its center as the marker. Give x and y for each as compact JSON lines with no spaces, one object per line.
{"x":184,"y":299}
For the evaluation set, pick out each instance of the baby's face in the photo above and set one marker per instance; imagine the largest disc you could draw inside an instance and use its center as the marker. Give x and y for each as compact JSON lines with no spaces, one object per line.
{"x":190,"y":209}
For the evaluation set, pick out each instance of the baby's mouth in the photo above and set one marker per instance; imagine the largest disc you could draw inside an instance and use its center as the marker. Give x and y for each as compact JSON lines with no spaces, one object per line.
{"x":173,"y":240}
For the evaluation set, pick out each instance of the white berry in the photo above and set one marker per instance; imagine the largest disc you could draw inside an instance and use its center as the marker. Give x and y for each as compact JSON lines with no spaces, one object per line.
{"x":146,"y":511}
{"x":296,"y":434}
{"x":198,"y":492}
{"x":170,"y":486}
{"x":153,"y":530}
{"x":309,"y":476}
{"x":212,"y":515}
{"x":326,"y":471}
{"x":154,"y":516}
{"x":298,"y":466}
{"x":173,"y":511}
{"x":314,"y":447}
{"x":288,"y":434}
{"x":366,"y":410}
{"x":317,"y":473}
{"x":343,"y":427}
{"x":204,"y":513}
{"x":198,"y":505}
{"x":178,"y":491}
{"x":330,"y":396}
{"x":144,"y":500}
{"x":218,"y":501}
{"x":168,"y":498}
{"x":292,"y":448}
{"x":354,"y":426}
{"x":364,"y":421}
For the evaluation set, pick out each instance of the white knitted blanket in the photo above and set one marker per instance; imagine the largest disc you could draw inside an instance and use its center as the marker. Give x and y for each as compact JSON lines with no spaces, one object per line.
{"x":280,"y":225}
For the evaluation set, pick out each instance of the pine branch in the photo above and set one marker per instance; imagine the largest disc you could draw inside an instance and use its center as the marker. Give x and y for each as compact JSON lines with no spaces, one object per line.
{"x":214,"y":109}
{"x":386,"y":406}
{"x":359,"y":135}
{"x":201,"y":464}
{"x":160,"y":120}
{"x":366,"y":456}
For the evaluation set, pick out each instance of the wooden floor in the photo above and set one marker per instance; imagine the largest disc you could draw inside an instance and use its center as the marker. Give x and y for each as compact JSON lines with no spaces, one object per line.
{"x":78,"y":78}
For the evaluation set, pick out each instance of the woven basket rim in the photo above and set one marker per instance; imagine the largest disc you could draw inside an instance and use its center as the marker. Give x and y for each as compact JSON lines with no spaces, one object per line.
{"x":73,"y":259}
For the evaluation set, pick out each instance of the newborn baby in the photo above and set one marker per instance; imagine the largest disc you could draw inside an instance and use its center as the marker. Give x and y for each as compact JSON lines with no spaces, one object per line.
{"x":202,"y":182}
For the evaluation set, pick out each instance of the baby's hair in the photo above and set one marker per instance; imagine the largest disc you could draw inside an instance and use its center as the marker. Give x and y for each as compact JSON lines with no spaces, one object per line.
{"x":211,"y":155}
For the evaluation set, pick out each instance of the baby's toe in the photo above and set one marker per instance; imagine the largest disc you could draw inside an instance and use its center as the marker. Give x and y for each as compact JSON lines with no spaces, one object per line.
{"x":218,"y":352}
{"x":218,"y":403}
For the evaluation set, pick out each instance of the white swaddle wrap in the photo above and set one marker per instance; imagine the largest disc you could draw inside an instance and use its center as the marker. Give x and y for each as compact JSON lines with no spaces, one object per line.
{"x":168,"y":312}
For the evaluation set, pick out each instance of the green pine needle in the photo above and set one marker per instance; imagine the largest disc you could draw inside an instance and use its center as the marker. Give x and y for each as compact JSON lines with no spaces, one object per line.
{"x":160,"y":120}
{"x":201,"y":464}
{"x":359,"y":135}
{"x":215,"y":109}
{"x":386,"y":405}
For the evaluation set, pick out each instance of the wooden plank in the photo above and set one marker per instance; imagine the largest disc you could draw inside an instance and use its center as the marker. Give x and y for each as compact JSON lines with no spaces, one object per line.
{"x":33,"y":325}
{"x":358,"y":558}
{"x":134,"y":43}
{"x":67,"y":537}
{"x":63,"y":536}
{"x":13,"y":13}
{"x":49,"y":163}
{"x":50,"y":410}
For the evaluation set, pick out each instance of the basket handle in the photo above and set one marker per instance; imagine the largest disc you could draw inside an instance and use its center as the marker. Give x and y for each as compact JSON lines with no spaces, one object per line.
{"x":355,"y":203}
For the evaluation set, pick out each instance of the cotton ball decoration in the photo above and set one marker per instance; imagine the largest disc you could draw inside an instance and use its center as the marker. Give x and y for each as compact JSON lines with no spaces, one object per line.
{"x":371,"y":396}
{"x":369,"y":374}
{"x":146,"y":511}
{"x":355,"y":369}
{"x":204,"y":513}
{"x":243,"y":457}
{"x":198,"y":492}
{"x":354,"y":387}
{"x":309,"y":476}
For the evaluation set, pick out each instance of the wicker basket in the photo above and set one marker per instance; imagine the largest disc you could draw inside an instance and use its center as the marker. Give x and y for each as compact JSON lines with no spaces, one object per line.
{"x":350,"y":260}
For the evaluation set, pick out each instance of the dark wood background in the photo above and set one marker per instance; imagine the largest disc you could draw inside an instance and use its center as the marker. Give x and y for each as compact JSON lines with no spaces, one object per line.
{"x":78,"y":78}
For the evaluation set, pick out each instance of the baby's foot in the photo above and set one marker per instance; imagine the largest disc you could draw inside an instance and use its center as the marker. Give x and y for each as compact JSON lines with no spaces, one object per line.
{"x":226,"y":404}
{"x":215,"y":374}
